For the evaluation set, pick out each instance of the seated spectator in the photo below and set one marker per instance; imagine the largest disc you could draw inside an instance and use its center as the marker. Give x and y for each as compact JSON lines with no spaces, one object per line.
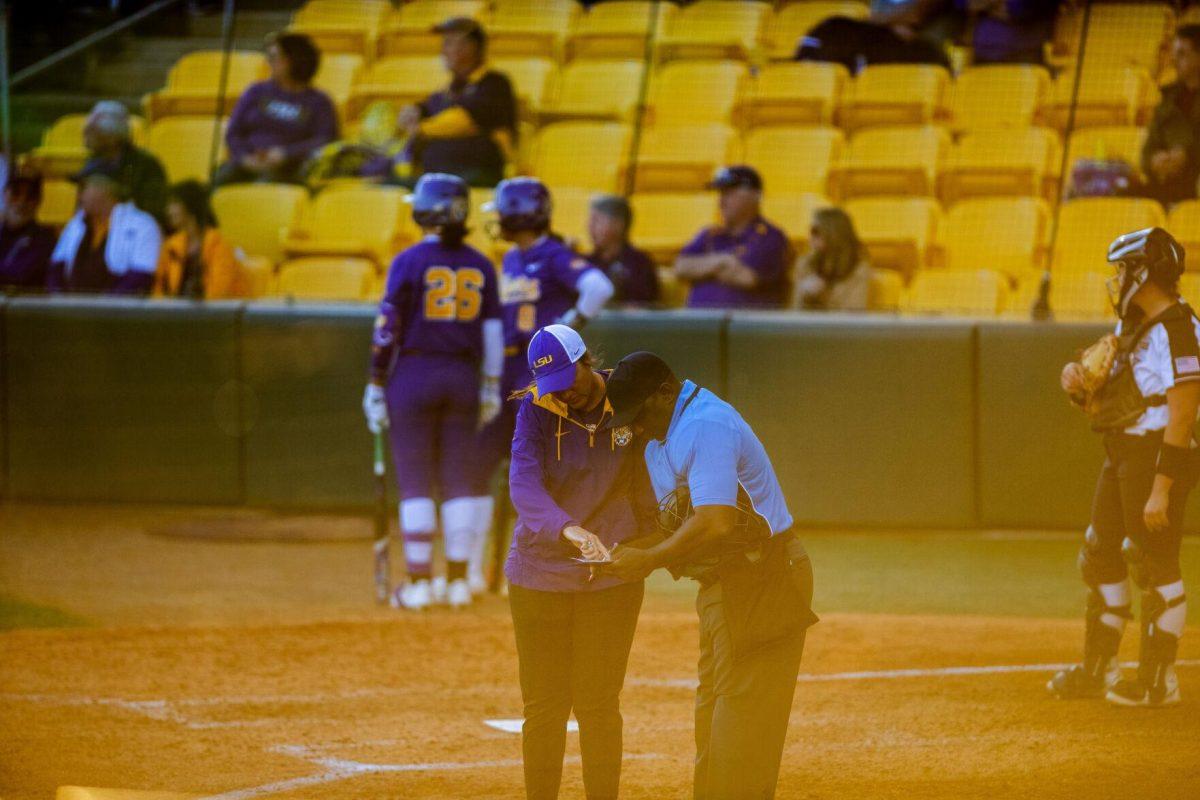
{"x":107,"y":138}
{"x":834,"y":274}
{"x":1171,"y":155}
{"x":631,"y":270}
{"x":468,"y":129}
{"x":898,"y":32}
{"x":1010,"y":31}
{"x":110,"y":246}
{"x":742,"y":263}
{"x":25,"y":246}
{"x":196,"y":262}
{"x":279,"y":123}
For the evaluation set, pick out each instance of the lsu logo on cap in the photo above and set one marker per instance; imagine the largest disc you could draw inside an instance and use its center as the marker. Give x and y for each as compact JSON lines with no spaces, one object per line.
{"x":543,"y":361}
{"x":623,"y":436}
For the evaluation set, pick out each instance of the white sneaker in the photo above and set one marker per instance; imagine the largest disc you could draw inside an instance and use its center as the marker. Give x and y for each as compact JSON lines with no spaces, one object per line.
{"x":415,"y":596}
{"x":438,"y":588}
{"x":477,"y":582}
{"x":458,"y":593}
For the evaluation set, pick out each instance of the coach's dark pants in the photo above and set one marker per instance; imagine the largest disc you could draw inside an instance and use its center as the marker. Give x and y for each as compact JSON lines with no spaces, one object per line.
{"x":573,"y":648}
{"x":743,"y":704}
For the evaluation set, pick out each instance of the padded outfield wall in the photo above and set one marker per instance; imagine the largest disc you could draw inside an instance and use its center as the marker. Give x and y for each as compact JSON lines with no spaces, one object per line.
{"x":870,"y":421}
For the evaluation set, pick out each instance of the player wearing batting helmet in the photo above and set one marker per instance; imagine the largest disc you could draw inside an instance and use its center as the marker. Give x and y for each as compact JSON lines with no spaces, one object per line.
{"x":435,"y":368}
{"x":728,"y":527}
{"x":1145,"y":402}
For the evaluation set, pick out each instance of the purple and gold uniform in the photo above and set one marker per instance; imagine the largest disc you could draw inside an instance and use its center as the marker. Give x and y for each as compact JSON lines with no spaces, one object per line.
{"x":762,"y":247}
{"x":430,"y":325}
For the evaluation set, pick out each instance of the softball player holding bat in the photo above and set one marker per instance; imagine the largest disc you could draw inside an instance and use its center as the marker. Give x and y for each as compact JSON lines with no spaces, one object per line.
{"x":731,"y":531}
{"x":542,"y":282}
{"x":435,"y":368}
{"x":1142,"y":391}
{"x":578,"y":489}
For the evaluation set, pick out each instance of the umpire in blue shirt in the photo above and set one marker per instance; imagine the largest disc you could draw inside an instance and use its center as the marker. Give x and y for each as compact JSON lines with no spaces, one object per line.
{"x":723,"y":522}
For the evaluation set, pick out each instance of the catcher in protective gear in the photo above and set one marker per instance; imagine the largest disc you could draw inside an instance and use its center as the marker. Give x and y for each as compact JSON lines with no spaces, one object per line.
{"x":1141,"y":389}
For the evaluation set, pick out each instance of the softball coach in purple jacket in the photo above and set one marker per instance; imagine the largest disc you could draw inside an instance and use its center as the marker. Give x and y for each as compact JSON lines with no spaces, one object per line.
{"x":578,"y":489}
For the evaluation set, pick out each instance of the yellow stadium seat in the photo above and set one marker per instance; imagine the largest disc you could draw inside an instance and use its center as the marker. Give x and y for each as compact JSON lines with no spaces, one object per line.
{"x":399,"y":80}
{"x":254,"y":216}
{"x":1189,"y":288}
{"x":409,"y":30}
{"x":793,"y":213}
{"x":477,"y":228}
{"x":617,"y":30}
{"x":899,"y":232}
{"x":998,"y":96}
{"x":894,"y":94}
{"x":1183,"y":222}
{"x":1088,"y":225}
{"x":1119,"y":34}
{"x":891,"y":161}
{"x":672,"y":292}
{"x":1123,"y":143}
{"x":362,"y":221}
{"x":597,"y":90}
{"x":1107,"y":96}
{"x":971,"y":292}
{"x":194,"y":84}
{"x":1006,"y":234}
{"x":1018,"y":162}
{"x":337,"y":75}
{"x":795,"y":93}
{"x":61,"y":153}
{"x":532,"y":80}
{"x":1080,"y":295}
{"x":793,"y":160}
{"x":58,"y":202}
{"x":695,"y":91}
{"x":586,"y":155}
{"x":681,"y":158}
{"x":714,"y":29}
{"x":257,"y":272}
{"x":571,"y":210}
{"x":530,"y":28}
{"x":346,"y":27}
{"x":330,"y":279}
{"x":794,"y":20}
{"x":184,"y":146}
{"x":885,"y":291}
{"x":666,"y":222}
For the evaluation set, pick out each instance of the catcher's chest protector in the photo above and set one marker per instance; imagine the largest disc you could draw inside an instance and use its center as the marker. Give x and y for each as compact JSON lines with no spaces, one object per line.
{"x":1119,"y":403}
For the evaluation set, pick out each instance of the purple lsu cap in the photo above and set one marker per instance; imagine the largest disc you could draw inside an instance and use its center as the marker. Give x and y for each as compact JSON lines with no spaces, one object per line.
{"x":552,"y":354}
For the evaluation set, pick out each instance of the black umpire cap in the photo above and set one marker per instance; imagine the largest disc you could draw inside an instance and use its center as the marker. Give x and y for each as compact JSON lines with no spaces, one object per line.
{"x":734,"y":176}
{"x":634,"y":379}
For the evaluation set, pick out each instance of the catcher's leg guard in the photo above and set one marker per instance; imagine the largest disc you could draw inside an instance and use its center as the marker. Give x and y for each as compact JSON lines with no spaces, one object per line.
{"x":1164,"y":609}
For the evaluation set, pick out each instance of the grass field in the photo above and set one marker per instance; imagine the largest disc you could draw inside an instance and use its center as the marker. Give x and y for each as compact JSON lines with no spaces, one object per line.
{"x":244,"y":670}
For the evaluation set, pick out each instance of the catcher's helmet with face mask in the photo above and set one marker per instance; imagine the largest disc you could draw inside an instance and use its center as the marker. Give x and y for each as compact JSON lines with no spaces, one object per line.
{"x":1140,"y":256}
{"x":749,"y":527}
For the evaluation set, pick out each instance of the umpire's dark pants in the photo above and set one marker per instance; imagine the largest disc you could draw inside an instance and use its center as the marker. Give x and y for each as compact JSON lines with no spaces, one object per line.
{"x":743,"y":704}
{"x":573,"y":648}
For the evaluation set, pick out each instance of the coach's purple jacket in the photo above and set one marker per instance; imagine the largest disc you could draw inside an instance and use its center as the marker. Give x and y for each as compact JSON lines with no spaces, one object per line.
{"x":565,"y":472}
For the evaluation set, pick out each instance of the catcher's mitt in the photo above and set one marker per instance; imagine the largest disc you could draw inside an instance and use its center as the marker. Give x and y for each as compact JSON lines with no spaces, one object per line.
{"x":1097,"y":363}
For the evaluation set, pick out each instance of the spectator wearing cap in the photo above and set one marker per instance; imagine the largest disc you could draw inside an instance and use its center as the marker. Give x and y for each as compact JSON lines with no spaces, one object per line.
{"x":278,"y":123}
{"x":1171,"y":154}
{"x":631,"y":270}
{"x":468,"y":129}
{"x":110,"y":246}
{"x":196,"y":261}
{"x":25,"y":245}
{"x":742,"y":263}
{"x":107,"y":138}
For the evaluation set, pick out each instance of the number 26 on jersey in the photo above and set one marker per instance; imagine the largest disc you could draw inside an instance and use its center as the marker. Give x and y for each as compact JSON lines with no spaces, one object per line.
{"x":453,"y":295}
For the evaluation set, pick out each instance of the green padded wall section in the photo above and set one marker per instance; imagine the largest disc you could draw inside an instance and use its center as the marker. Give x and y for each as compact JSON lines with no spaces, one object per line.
{"x":304,"y":368}
{"x":122,"y":400}
{"x":691,"y":342}
{"x":866,"y":422}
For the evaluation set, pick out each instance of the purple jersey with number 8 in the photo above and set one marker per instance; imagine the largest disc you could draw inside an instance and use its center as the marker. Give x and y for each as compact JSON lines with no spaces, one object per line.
{"x":538,"y":287}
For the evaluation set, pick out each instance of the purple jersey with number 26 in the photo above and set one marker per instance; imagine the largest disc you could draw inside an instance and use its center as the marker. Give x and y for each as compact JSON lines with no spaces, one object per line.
{"x":435,"y":303}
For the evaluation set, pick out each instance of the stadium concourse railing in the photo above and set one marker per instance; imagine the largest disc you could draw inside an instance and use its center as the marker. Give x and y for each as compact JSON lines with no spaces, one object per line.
{"x":870,"y":421}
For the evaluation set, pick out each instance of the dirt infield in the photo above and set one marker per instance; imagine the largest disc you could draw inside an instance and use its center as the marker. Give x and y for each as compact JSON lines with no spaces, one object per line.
{"x":244,"y":671}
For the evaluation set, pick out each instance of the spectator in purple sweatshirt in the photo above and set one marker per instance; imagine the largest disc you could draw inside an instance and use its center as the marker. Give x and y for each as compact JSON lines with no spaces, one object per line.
{"x":25,"y":246}
{"x":1010,"y":31}
{"x":278,"y":123}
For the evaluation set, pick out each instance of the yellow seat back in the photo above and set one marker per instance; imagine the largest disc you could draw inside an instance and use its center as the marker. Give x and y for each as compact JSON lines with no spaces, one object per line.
{"x":794,"y":160}
{"x":998,"y":95}
{"x":955,"y":292}
{"x":695,"y":91}
{"x":795,"y":93}
{"x":184,"y":145}
{"x":586,"y":155}
{"x":894,"y":94}
{"x":1088,"y":225}
{"x":1004,"y":234}
{"x":254,"y":216}
{"x":331,"y":279}
{"x":898,"y":232}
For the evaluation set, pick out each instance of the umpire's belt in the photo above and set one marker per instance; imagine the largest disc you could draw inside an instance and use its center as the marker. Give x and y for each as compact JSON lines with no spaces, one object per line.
{"x":708,"y":571}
